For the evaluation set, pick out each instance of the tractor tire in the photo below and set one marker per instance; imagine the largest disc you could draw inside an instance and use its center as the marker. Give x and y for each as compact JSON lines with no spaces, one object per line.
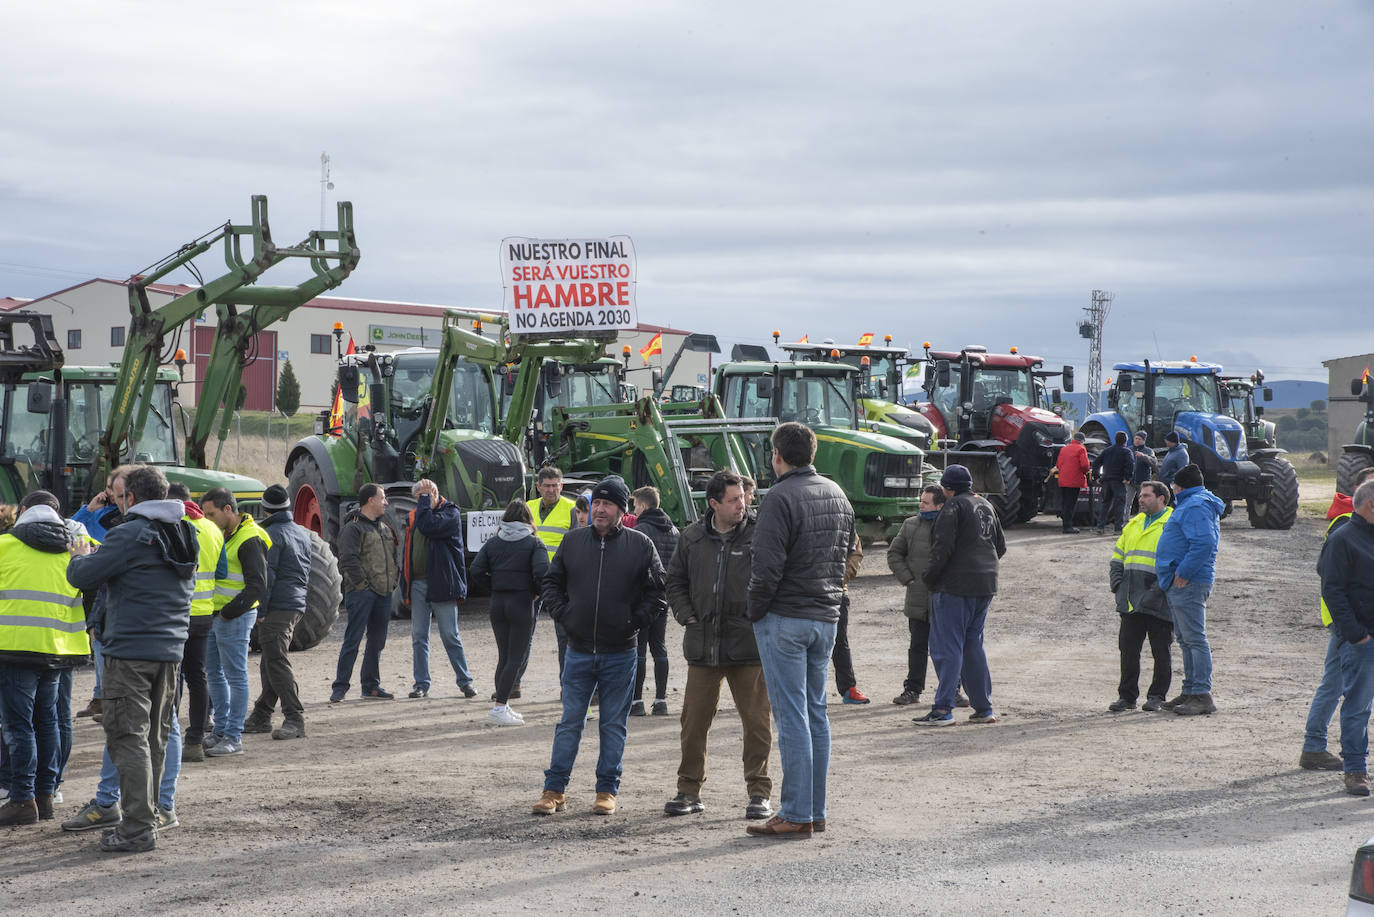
{"x":1349,"y":467}
{"x":1281,"y":510}
{"x":397,"y":513}
{"x":312,"y":506}
{"x":323,"y":597}
{"x":1008,"y":502}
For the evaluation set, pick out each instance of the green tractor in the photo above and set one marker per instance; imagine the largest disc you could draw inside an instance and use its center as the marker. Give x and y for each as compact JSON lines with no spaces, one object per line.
{"x":1359,"y":454}
{"x":881,"y":475}
{"x":1260,"y":434}
{"x":881,"y":370}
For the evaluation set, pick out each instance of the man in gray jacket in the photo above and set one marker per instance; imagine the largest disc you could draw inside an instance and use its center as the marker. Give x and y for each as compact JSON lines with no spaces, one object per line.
{"x":288,"y":583}
{"x":708,"y":579}
{"x":804,"y":531}
{"x":148,"y":566}
{"x":907,"y":557}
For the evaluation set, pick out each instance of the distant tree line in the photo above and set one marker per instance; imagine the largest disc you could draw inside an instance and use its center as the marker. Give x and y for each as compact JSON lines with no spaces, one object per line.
{"x":1303,"y":430}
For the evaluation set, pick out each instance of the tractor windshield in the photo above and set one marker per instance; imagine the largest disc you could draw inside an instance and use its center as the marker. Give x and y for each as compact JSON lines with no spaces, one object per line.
{"x":470,"y":398}
{"x":1176,"y":393}
{"x":1239,"y":400}
{"x":817,"y":399}
{"x":88,"y":406}
{"x":993,"y":385}
{"x":590,"y":386}
{"x":748,"y":396}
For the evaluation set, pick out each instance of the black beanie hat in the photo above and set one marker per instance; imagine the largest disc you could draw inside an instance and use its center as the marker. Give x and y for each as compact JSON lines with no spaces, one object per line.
{"x":957,"y":479}
{"x":275,"y":498}
{"x":612,"y":488}
{"x":1188,"y":476}
{"x":1171,"y":437}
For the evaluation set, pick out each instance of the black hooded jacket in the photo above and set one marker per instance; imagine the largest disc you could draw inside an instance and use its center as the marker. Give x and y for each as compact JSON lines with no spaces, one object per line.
{"x":604,"y":588}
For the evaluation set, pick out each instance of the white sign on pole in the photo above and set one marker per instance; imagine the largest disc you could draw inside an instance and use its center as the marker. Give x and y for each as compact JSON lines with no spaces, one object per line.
{"x":482,"y":527}
{"x":558,"y":286}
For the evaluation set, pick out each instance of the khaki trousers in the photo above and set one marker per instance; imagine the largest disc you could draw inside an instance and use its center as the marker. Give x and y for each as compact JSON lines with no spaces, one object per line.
{"x":699,"y":704}
{"x":136,"y":700}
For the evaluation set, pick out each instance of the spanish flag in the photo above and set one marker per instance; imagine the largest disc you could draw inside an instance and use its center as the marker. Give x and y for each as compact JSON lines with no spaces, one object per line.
{"x":866,"y":338}
{"x":336,"y":412}
{"x":804,"y":339}
{"x":654,"y":346}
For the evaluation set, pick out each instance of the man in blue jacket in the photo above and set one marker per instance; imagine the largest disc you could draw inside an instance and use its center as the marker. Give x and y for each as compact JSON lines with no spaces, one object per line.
{"x":434,"y":580}
{"x":1347,"y":572}
{"x":1185,"y":563}
{"x":148,"y":566}
{"x":1114,"y":468}
{"x":1174,"y":459}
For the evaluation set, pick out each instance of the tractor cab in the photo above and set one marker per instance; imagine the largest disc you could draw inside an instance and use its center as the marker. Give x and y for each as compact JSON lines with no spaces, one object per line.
{"x":974,"y":395}
{"x":1240,"y":404}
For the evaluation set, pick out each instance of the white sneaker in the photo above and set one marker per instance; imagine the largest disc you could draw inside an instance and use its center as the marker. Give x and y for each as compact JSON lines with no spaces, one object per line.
{"x":505,"y":716}
{"x":224,"y":746}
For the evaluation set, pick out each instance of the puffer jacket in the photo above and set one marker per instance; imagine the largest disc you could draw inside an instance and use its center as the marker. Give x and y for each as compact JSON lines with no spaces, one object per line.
{"x":1174,"y":460}
{"x":1347,"y":572}
{"x":514,"y":561}
{"x":439,"y":530}
{"x":708,"y":587}
{"x":1072,"y":465}
{"x":148,"y":566}
{"x":604,"y":589}
{"x":661,"y":531}
{"x":907,"y":557}
{"x":1188,"y":545}
{"x":367,"y":554}
{"x":802,"y":537}
{"x":964,"y":547}
{"x":1132,"y":570}
{"x":288,"y":564}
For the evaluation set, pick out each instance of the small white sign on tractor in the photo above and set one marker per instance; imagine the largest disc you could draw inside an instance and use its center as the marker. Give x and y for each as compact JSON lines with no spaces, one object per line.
{"x":558,"y":287}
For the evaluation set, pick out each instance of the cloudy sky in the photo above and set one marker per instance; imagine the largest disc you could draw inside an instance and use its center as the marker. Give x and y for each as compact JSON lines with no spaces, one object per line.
{"x":955,"y":172}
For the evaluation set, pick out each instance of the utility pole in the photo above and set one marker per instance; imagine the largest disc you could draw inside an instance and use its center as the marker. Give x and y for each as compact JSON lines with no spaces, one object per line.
{"x":1092,"y":330}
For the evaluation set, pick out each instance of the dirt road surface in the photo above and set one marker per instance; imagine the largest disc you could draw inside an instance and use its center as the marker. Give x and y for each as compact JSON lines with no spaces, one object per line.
{"x":419,"y":807}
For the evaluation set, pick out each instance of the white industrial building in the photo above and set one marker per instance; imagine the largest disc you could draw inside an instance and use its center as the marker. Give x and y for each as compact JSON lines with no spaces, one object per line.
{"x":91,"y":320}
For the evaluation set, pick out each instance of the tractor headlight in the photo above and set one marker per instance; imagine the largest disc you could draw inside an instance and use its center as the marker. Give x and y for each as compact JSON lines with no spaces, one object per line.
{"x":1223,"y":450}
{"x":1043,"y":440}
{"x":898,"y":483}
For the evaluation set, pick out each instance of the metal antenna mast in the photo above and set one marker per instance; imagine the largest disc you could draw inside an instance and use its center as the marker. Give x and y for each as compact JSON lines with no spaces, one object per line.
{"x":325,"y":184}
{"x":1092,"y":330}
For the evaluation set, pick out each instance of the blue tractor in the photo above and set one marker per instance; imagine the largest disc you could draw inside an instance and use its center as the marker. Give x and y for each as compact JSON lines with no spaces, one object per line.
{"x":1190,"y":398}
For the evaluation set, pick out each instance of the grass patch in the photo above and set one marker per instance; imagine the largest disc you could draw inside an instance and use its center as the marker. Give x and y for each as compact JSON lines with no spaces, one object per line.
{"x":1313,"y":471}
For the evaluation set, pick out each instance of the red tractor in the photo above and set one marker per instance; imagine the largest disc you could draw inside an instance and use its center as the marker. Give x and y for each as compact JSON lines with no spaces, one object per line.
{"x":997,"y":402}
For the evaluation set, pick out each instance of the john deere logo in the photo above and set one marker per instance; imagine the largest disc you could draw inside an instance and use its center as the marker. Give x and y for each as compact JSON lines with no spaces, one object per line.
{"x":377,"y":334}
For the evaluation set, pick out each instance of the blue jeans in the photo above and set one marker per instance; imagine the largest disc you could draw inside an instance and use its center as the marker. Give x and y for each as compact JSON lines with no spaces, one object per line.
{"x":1324,"y":701}
{"x":64,"y":721}
{"x":612,"y":675}
{"x":107,"y":790}
{"x":445,"y":614}
{"x":226,"y":670}
{"x":796,"y":659}
{"x":29,"y":701}
{"x":368,"y":612}
{"x":98,"y":659}
{"x":1357,"y":684}
{"x":1188,"y":605}
{"x":956,"y":649}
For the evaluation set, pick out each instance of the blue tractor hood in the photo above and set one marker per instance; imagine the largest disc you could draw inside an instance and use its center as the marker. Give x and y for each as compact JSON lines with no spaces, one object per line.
{"x":1222,"y":434}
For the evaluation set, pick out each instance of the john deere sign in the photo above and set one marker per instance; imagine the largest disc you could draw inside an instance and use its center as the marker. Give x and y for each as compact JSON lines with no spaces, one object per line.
{"x":400,"y":336}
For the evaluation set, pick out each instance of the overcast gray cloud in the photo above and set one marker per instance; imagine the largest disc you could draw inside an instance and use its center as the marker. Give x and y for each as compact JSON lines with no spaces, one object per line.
{"x":953,"y":172}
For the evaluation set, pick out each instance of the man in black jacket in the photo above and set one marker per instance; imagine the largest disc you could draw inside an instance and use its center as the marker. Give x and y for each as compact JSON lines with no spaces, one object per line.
{"x":1114,"y":468}
{"x":803,"y":535}
{"x":288,"y":585}
{"x":708,"y":580}
{"x":654,"y":522}
{"x":965,"y":547}
{"x":1347,"y":571}
{"x":604,"y":585}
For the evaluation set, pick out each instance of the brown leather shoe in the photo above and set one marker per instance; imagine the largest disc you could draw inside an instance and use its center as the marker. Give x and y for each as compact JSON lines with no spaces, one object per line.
{"x":19,"y":813}
{"x":777,"y":826}
{"x":91,"y":709}
{"x":1357,"y":784}
{"x":44,"y":804}
{"x":1320,"y":761}
{"x":818,"y":826}
{"x":604,"y":805}
{"x":549,"y":803}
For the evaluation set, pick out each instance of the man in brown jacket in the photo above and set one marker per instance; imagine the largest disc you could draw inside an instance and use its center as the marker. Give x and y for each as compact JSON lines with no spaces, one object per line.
{"x":367,"y":560}
{"x":708,"y":580}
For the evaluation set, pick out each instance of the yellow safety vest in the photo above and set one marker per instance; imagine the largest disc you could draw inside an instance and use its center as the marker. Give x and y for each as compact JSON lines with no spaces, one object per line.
{"x":211,"y":539}
{"x":1326,"y":612}
{"x":557,"y":524}
{"x":1136,"y":546}
{"x":40,"y":612}
{"x":232,"y":583}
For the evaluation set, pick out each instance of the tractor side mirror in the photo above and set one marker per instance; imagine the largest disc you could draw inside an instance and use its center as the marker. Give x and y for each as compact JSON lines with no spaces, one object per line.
{"x":40,"y":397}
{"x":507,"y":385}
{"x":1112,"y":399}
{"x":942,"y":374}
{"x":657,"y":375}
{"x":763,"y":388}
{"x":1268,"y":394}
{"x":928,"y":381}
{"x":349,"y":378}
{"x":1068,"y":380}
{"x":1124,"y":384}
{"x":1259,"y":410}
{"x":1356,"y":387}
{"x":553,"y":385}
{"x":1056,"y":396}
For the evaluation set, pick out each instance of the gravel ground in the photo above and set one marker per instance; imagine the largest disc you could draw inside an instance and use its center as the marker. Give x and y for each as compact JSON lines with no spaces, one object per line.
{"x":418,"y":807}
